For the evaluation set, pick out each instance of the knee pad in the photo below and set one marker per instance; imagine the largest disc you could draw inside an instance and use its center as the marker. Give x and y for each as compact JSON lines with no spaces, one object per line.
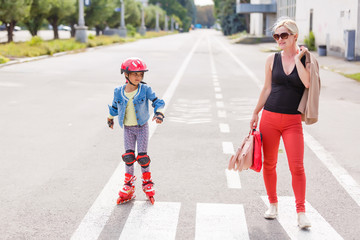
{"x":129,"y":158}
{"x":143,"y":160}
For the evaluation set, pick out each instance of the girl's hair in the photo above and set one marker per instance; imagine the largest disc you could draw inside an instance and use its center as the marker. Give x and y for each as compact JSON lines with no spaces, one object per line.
{"x":288,"y":23}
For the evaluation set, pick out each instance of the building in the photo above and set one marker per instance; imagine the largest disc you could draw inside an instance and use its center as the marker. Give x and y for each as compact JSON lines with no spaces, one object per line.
{"x":335,"y":24}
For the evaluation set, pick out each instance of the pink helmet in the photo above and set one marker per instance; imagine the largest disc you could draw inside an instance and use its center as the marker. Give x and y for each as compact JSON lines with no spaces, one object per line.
{"x":133,"y":64}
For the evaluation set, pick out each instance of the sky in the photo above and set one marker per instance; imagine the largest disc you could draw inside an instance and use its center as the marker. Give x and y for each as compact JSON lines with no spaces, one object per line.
{"x":203,"y":2}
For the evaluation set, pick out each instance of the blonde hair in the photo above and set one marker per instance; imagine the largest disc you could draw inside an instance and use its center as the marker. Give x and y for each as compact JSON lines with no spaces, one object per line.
{"x":288,"y":23}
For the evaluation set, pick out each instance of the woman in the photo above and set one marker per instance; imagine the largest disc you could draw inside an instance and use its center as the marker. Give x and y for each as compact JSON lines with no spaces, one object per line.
{"x":286,"y":77}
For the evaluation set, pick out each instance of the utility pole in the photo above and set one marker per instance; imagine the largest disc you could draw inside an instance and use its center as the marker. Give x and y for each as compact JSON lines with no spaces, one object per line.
{"x":142,"y":27}
{"x":122,"y":30}
{"x":157,"y":28}
{"x":80,"y":34}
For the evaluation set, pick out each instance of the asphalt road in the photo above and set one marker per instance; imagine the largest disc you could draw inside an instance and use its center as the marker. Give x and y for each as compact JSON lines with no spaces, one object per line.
{"x":61,"y":165}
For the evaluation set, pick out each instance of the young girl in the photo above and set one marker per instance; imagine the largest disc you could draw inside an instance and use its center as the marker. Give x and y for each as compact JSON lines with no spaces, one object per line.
{"x":131,"y":106}
{"x":286,"y":77}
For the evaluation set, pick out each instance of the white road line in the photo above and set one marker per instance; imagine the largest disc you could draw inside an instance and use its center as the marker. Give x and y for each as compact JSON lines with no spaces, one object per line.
{"x":224,"y":127}
{"x":221,"y":113}
{"x":220,"y":221}
{"x":220,"y":104}
{"x":287,"y":217}
{"x":340,"y":173}
{"x":99,"y":213}
{"x":228,"y":147}
{"x":242,"y":65}
{"x":217,"y":89}
{"x":151,"y":222}
{"x":218,"y":96}
{"x":233,"y":179}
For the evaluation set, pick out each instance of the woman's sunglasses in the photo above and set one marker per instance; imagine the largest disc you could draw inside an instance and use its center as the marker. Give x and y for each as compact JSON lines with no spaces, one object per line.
{"x":283,"y":35}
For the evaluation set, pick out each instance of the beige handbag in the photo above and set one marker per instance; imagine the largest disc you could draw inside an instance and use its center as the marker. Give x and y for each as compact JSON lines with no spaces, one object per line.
{"x":243,"y":158}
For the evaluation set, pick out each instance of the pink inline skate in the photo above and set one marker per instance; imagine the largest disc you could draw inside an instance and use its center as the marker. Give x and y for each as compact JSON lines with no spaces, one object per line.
{"x":147,"y":186}
{"x":127,"y":192}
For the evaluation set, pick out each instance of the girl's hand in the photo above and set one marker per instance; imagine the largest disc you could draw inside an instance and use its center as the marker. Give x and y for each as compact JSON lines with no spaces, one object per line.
{"x":159,"y":117}
{"x":110,"y":122}
{"x":254,"y":121}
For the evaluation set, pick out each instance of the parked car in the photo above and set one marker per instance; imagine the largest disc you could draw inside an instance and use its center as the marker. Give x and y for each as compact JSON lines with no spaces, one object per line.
{"x":3,"y":28}
{"x":64,"y":28}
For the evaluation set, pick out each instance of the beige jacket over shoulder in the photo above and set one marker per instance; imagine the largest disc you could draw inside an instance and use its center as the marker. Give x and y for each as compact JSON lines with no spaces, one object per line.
{"x":309,"y":103}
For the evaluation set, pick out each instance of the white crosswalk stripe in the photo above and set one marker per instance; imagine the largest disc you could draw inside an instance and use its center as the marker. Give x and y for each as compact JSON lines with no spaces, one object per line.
{"x":320,"y":229}
{"x":220,"y":221}
{"x":146,"y":221}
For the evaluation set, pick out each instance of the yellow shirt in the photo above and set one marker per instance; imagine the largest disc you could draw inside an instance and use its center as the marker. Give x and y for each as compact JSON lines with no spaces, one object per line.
{"x":130,"y":116}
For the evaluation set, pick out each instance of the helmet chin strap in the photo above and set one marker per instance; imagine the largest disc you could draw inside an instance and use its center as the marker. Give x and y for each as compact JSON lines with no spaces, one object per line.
{"x":129,"y":81}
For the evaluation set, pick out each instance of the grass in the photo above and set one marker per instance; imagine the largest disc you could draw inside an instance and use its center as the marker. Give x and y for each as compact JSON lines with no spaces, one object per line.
{"x":355,"y":76}
{"x":37,"y":47}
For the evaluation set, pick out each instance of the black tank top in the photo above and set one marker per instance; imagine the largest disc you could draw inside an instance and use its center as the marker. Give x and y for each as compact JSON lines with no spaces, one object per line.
{"x":286,"y":90}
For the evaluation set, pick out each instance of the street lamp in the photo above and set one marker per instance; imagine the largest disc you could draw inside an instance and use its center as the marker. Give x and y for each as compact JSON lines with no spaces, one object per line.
{"x":80,"y":34}
{"x":142,"y":27}
{"x":157,"y":28}
{"x":122,"y":30}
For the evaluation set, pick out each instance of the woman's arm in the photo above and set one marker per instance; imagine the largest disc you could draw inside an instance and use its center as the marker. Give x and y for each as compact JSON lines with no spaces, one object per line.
{"x":304,"y":73}
{"x":265,"y":92}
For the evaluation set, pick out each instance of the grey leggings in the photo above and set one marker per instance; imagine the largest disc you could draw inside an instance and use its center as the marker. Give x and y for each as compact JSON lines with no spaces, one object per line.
{"x":136,"y":135}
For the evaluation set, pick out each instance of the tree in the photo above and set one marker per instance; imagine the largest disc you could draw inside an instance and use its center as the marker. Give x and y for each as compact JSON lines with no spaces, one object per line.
{"x":132,"y":14}
{"x":59,"y":10}
{"x":97,"y":14}
{"x":205,"y":15}
{"x":34,"y":20}
{"x":11,"y":12}
{"x":150,"y":16}
{"x":230,"y":21}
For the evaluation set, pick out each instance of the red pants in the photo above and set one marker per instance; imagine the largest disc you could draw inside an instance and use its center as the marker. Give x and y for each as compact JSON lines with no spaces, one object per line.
{"x":272,"y":126}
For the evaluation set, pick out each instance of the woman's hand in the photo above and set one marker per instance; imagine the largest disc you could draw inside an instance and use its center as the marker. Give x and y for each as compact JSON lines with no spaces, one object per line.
{"x":254,"y":121}
{"x":159,"y":117}
{"x":300,"y":53}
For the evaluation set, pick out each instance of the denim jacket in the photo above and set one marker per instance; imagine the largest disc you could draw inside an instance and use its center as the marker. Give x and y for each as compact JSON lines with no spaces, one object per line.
{"x":141,"y":98}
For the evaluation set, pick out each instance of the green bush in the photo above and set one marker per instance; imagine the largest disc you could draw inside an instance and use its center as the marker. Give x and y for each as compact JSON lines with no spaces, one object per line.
{"x":3,"y":59}
{"x":131,"y":30}
{"x":91,"y":36}
{"x":35,"y":41}
{"x":310,"y":41}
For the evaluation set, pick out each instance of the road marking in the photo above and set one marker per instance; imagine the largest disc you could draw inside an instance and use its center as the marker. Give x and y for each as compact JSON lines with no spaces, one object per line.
{"x":224,"y":127}
{"x":99,"y":213}
{"x":220,"y":221}
{"x":218,"y":96}
{"x":221,"y":113}
{"x":11,"y":84}
{"x":233,"y":179}
{"x":217,"y":89}
{"x":228,"y":148}
{"x":242,"y":65}
{"x":146,"y":221}
{"x":220,"y":104}
{"x":216,"y":84}
{"x":287,"y":217}
{"x":97,"y":216}
{"x":340,"y":173}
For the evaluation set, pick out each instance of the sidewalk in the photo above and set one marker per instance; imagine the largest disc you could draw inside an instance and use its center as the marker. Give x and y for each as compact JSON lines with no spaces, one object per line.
{"x":331,"y":63}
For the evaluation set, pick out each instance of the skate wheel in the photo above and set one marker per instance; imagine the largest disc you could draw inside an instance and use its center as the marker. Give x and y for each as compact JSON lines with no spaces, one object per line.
{"x":152,"y":200}
{"x":119,"y":201}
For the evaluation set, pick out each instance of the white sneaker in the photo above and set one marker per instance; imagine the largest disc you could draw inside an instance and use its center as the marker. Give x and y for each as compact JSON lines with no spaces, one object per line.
{"x":303,"y":221}
{"x":272,"y":212}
